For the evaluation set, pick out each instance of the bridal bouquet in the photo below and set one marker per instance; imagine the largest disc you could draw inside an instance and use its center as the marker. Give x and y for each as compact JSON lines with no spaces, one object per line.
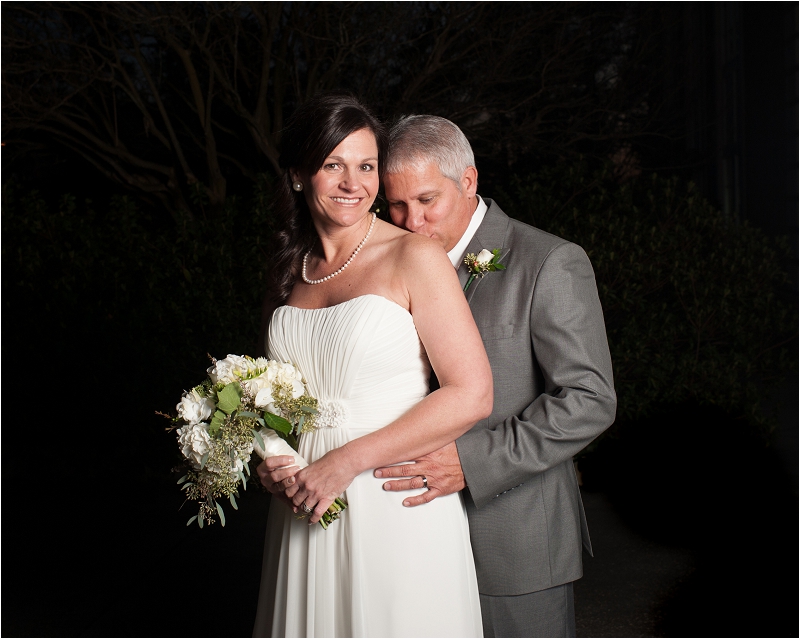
{"x":243,"y":405}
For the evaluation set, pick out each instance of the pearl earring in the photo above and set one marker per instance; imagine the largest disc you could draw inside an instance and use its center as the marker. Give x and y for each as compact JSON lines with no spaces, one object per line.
{"x":297,"y":186}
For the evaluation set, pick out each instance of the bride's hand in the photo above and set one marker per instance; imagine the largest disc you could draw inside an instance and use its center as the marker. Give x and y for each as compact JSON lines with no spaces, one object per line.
{"x":276,"y":475}
{"x":321,"y":482}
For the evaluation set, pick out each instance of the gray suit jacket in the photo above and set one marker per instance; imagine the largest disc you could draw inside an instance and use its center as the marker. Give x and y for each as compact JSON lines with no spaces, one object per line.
{"x":543,"y":329}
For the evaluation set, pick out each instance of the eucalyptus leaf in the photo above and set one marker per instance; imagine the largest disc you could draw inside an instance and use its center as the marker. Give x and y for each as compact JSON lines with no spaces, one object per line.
{"x":216,"y":423}
{"x":259,"y":439}
{"x":191,"y":520}
{"x":309,"y":409}
{"x":278,"y":423}
{"x":183,"y":479}
{"x":200,"y":521}
{"x":221,"y":514}
{"x":247,"y":469}
{"x":233,"y":502}
{"x":203,"y":460}
{"x":229,"y":398}
{"x":247,"y":413}
{"x":187,"y":484}
{"x":261,"y":421}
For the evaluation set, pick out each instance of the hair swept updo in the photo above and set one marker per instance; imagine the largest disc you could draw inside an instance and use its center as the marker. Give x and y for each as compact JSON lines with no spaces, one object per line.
{"x":314,"y":130}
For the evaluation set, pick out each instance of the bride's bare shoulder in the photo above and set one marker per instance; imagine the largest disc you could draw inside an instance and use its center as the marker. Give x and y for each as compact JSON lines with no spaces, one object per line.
{"x":408,"y":251}
{"x":413,"y":253}
{"x":414,"y":245}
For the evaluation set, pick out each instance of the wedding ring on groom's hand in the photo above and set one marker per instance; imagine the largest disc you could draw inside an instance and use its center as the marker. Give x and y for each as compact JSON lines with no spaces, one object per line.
{"x":425,"y":482}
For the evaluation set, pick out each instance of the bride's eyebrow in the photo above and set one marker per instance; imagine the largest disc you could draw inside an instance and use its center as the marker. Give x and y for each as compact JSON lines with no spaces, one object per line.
{"x":341,"y":159}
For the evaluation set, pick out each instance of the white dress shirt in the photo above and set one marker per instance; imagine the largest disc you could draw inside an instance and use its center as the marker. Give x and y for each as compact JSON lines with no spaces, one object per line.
{"x":456,"y":254}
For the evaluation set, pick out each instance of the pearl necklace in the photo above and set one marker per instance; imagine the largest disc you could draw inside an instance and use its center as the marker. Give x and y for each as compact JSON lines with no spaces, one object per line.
{"x":346,"y":264}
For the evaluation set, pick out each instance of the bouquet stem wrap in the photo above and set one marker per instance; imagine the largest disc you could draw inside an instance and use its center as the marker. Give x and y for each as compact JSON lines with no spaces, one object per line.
{"x":275,"y":445}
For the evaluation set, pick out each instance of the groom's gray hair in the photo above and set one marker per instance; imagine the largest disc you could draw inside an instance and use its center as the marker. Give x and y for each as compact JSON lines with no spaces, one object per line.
{"x":418,"y":139}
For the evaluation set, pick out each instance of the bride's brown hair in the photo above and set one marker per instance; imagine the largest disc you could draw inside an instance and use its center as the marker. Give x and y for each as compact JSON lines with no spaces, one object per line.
{"x":314,"y":130}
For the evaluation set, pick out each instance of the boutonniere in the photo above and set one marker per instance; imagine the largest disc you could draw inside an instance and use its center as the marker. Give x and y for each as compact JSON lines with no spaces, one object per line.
{"x":482,"y":263}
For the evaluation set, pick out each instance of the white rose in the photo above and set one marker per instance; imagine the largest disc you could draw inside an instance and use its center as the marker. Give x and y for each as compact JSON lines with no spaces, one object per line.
{"x":288,"y":375}
{"x":484,"y":257}
{"x":257,"y":383}
{"x":194,"y":408}
{"x":231,"y":369}
{"x":272,"y":371}
{"x":264,"y":398}
{"x":195,"y":442}
{"x":298,"y":388}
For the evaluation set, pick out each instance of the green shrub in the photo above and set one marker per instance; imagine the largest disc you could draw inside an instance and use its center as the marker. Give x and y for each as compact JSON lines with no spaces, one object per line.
{"x":697,"y":306}
{"x":124,"y":278}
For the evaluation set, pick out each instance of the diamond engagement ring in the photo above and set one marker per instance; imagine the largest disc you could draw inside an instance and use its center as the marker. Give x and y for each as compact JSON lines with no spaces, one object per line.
{"x":306,"y":509}
{"x":425,"y":482}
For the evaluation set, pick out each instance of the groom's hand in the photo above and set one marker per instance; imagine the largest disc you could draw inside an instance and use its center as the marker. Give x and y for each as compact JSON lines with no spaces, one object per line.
{"x":442,"y":469}
{"x":276,"y":475}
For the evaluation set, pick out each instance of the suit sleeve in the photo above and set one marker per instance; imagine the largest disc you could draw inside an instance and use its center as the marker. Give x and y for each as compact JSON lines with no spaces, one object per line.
{"x":578,"y":403}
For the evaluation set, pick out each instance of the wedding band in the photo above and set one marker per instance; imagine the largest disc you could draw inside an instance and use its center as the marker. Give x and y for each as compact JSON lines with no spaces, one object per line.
{"x":425,"y":482}
{"x":306,"y":509}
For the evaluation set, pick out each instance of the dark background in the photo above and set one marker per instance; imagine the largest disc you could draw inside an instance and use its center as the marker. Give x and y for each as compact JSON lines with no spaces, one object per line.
{"x":139,"y":146}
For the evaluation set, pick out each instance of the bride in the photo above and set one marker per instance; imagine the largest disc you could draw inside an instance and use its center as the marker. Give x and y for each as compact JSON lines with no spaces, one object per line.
{"x":364,"y":309}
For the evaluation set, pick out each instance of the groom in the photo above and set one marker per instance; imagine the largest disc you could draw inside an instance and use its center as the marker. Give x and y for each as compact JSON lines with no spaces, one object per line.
{"x":542,"y":326}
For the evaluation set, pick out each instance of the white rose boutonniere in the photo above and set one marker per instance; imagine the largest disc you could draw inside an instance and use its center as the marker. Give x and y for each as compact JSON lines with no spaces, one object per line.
{"x":480,"y":264}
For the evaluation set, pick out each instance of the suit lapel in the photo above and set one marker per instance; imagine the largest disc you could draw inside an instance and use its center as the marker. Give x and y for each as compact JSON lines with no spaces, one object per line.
{"x":490,"y":235}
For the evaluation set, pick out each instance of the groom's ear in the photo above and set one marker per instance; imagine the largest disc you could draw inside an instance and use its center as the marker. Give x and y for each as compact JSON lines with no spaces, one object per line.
{"x":469,"y":181}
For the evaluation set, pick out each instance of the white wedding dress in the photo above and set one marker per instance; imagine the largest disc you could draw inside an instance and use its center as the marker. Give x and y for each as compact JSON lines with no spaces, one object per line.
{"x":382,"y":570}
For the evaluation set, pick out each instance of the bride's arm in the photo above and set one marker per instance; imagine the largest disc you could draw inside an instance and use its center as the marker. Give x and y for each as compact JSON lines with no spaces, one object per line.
{"x":448,"y":332}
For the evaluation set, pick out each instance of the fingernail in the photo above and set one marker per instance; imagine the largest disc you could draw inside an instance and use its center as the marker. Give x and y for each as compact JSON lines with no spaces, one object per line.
{"x":386,"y":486}
{"x":406,"y":503}
{"x":378,"y":473}
{"x":291,"y":480}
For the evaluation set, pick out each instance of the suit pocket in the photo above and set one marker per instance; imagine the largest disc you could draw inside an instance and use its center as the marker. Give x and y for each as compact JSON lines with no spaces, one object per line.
{"x":496,"y":331}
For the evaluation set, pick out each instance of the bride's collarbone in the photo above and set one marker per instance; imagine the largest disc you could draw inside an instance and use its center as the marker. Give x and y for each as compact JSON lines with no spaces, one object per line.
{"x":331,"y":293}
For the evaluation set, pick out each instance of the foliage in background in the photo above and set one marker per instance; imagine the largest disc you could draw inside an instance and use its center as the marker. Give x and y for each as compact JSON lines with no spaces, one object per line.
{"x":697,"y":306}
{"x":168,"y":98}
{"x":113,"y":270}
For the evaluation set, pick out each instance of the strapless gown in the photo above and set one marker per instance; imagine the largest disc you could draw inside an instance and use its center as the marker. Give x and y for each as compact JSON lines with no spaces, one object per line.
{"x":382,"y":570}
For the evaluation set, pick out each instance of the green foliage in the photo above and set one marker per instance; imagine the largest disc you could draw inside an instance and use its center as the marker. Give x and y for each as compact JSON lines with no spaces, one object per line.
{"x":216,"y":423}
{"x":278,"y":424}
{"x":697,"y":306}
{"x":166,"y":291}
{"x":229,"y":398}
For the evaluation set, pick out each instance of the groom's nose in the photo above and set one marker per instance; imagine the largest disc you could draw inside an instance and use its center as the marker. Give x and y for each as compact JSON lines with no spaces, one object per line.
{"x":415,"y":218}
